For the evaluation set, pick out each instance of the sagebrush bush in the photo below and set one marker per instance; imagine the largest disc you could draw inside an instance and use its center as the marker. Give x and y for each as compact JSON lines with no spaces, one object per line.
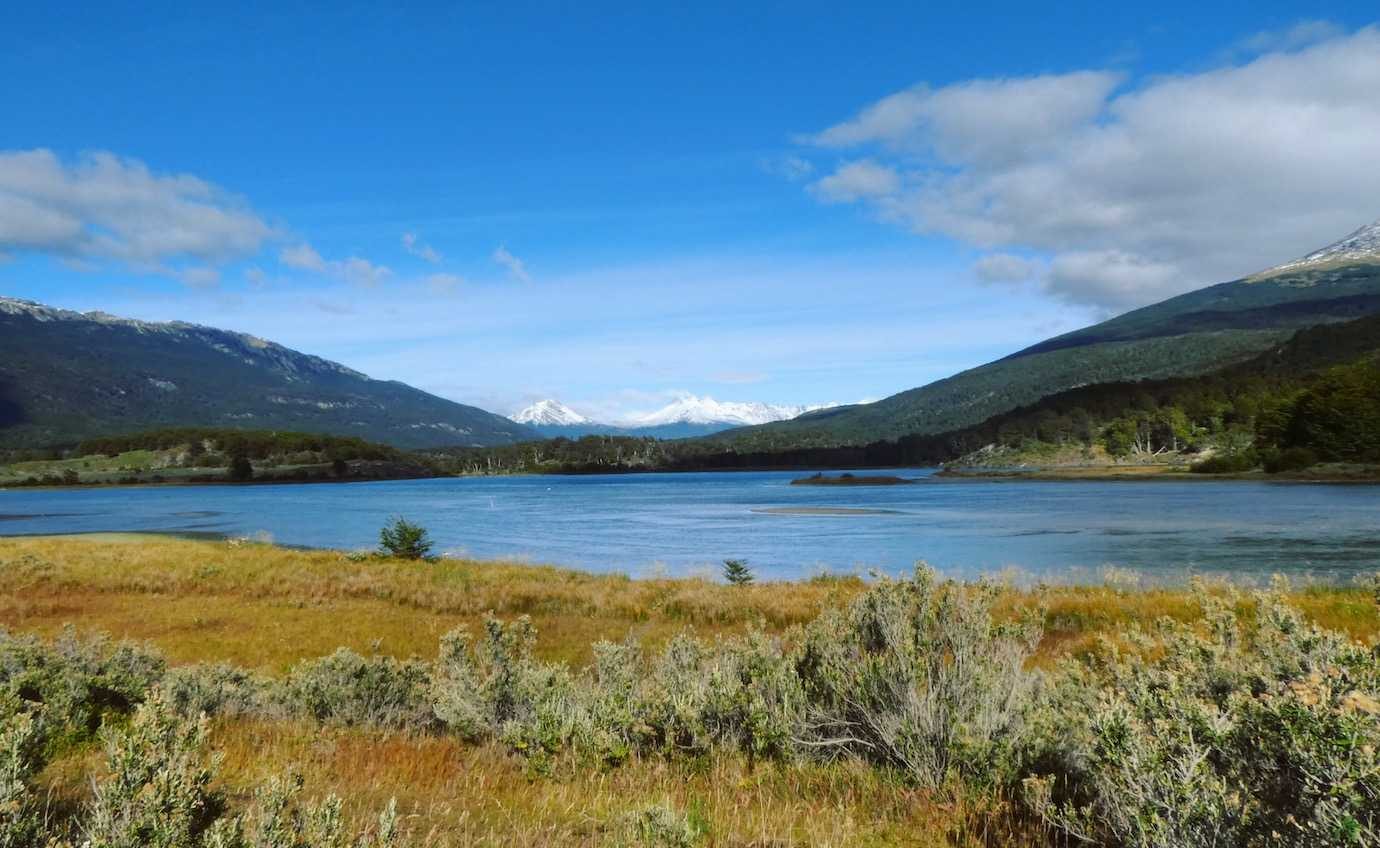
{"x":917,"y":675}
{"x":158,"y":793}
{"x":78,"y":680}
{"x":21,"y":759}
{"x":1260,"y":732}
{"x":218,"y":689}
{"x":349,"y":689}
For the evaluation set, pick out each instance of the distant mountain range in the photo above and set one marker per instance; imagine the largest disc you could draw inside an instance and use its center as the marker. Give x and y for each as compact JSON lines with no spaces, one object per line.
{"x":686,"y":416}
{"x":67,"y":376}
{"x":1191,"y":334}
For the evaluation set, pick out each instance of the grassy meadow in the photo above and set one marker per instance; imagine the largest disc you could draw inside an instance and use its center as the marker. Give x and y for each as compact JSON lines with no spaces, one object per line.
{"x":274,"y":613}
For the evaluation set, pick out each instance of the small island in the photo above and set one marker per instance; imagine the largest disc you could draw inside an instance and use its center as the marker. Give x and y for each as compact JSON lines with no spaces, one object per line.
{"x":821,"y":479}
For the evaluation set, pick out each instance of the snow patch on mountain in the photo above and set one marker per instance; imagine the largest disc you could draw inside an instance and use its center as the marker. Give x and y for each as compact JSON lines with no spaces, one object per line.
{"x":1360,"y":246}
{"x":550,"y":413}
{"x":692,"y":409}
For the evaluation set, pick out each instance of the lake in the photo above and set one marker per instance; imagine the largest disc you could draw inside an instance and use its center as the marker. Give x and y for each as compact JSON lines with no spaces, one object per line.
{"x":688,"y":523}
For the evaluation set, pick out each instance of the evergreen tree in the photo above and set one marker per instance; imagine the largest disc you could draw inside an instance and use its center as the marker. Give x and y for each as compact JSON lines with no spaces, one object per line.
{"x":736,"y":571}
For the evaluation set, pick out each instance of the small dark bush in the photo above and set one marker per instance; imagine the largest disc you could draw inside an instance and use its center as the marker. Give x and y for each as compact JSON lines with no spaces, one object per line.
{"x":405,"y":540}
{"x":241,"y":468}
{"x":1228,"y":463}
{"x":1290,"y":459}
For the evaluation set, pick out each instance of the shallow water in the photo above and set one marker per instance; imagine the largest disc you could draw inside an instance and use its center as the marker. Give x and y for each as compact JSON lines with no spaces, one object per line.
{"x":688,"y":523}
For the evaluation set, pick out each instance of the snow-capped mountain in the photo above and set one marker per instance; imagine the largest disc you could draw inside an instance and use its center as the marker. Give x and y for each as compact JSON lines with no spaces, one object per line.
{"x":691,"y":409}
{"x":551,"y":413}
{"x":1360,"y":246}
{"x":687,"y":415}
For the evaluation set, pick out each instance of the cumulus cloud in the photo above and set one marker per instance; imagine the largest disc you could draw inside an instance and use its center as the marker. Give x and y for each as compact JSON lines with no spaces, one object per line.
{"x":859,"y":180}
{"x":1007,"y":268}
{"x":1138,"y":190}
{"x":360,"y":272}
{"x":420,"y":249}
{"x":103,"y":207}
{"x":303,"y":257}
{"x":517,"y":269}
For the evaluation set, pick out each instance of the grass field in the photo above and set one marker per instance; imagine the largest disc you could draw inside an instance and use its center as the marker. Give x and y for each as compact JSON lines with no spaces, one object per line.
{"x":265,"y":608}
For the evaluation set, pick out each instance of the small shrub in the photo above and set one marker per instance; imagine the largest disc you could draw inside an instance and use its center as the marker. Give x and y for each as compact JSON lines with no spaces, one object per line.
{"x":1241,"y":734}
{"x":405,"y":540}
{"x":1227,"y":463}
{"x":240,"y":469}
{"x":346,"y":688}
{"x":158,"y":792}
{"x":216,"y":690}
{"x":21,"y":759}
{"x":736,"y":571}
{"x":660,"y":826}
{"x":916,"y":675}
{"x":1289,"y":459}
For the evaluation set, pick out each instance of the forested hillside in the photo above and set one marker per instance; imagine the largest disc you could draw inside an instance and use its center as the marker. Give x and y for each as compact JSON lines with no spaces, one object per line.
{"x":1195,"y":333}
{"x":67,"y":376}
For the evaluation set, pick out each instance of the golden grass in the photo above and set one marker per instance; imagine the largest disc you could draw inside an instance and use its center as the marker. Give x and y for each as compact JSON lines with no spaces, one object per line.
{"x":267,"y":607}
{"x":466,"y":795}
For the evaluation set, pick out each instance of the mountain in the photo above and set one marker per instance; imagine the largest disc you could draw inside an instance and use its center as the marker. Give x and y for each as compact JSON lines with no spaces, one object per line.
{"x":67,"y":376}
{"x":1191,"y":334}
{"x":690,"y":409}
{"x":551,"y":413}
{"x":684,"y":417}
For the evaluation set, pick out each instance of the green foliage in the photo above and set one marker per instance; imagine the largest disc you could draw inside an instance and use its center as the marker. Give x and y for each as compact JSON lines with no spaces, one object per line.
{"x":79,"y":681}
{"x":1289,"y":459}
{"x":1259,"y":732}
{"x":346,"y":688}
{"x":21,"y":759}
{"x":1228,"y":463}
{"x":917,"y":675}
{"x":239,"y":469}
{"x":158,"y":794}
{"x":405,"y":540}
{"x":736,"y":571}
{"x":660,"y":826}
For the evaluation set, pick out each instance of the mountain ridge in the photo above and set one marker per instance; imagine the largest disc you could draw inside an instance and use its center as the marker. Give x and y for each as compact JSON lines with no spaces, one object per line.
{"x":66,"y":376}
{"x":1192,"y":333}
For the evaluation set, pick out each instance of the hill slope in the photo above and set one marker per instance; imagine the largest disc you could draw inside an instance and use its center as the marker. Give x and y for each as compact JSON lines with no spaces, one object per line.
{"x":1193,"y":333}
{"x":67,"y":376}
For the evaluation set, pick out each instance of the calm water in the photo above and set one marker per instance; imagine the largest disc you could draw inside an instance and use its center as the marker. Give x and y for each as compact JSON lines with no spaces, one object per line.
{"x":686,"y":523}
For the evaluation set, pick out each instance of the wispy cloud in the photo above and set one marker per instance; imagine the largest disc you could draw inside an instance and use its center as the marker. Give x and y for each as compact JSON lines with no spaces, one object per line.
{"x":517,"y":269}
{"x":1130,"y":193}
{"x":354,"y":269}
{"x":420,"y":249}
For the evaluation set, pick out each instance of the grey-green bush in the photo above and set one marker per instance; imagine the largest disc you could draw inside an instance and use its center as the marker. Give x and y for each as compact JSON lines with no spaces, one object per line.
{"x":1251,"y":733}
{"x":349,"y":689}
{"x":917,"y":675}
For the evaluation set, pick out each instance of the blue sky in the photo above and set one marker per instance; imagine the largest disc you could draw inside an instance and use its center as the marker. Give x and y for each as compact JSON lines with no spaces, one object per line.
{"x":614,"y":203}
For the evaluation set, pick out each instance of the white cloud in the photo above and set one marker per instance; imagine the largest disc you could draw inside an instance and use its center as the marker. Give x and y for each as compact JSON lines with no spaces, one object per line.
{"x":1006,"y":268}
{"x":516,"y":267}
{"x":420,"y":249}
{"x":302,"y":257}
{"x":103,"y":207}
{"x":857,"y":181}
{"x":1137,"y":192}
{"x":355,"y":270}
